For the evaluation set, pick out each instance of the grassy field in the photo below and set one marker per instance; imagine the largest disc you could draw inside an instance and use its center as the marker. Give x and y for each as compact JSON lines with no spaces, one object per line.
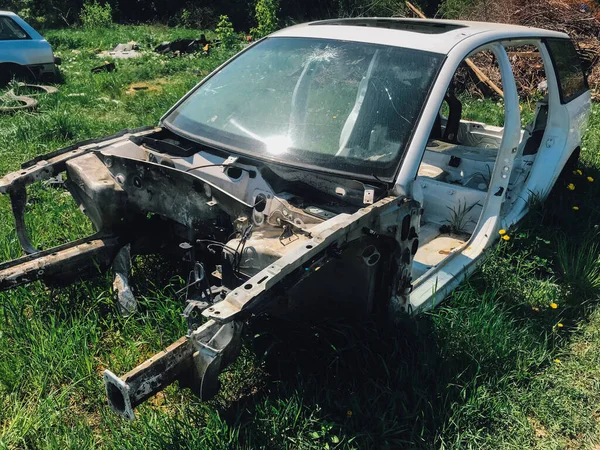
{"x":511,"y":359}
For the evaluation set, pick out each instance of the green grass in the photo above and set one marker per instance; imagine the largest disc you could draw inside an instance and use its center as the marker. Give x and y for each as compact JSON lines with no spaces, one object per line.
{"x":491,"y":368}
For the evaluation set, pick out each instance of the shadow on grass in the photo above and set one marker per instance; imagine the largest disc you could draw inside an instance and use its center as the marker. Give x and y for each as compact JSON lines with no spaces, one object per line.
{"x":436,"y":380}
{"x":379,"y":386}
{"x":444,"y":378}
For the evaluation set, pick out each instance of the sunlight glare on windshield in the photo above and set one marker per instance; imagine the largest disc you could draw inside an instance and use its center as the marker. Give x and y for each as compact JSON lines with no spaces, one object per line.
{"x":329,"y":104}
{"x":276,"y":145}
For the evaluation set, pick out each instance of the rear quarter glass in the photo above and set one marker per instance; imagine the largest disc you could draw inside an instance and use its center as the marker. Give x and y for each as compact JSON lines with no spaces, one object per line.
{"x":568,"y":68}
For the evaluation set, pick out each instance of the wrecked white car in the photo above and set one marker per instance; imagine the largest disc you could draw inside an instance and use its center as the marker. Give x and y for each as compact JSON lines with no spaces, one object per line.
{"x":312,"y":172}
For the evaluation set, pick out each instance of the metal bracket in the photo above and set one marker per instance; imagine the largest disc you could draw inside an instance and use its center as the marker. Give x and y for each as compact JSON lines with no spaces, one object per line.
{"x":18,"y":200}
{"x":192,"y":313}
{"x":216,"y":346}
{"x":124,"y":295}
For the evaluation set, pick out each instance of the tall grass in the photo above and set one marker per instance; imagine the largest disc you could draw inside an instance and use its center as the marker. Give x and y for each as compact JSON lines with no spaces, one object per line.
{"x":580,"y":268}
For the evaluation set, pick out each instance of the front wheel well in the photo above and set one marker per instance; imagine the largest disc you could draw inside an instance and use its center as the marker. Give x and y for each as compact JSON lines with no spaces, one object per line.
{"x":8,"y":71}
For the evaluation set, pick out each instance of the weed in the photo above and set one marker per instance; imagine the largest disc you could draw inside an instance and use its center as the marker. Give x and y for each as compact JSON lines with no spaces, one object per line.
{"x":580,"y":268}
{"x":459,"y":217}
{"x":95,"y":15}
{"x":266,"y":18}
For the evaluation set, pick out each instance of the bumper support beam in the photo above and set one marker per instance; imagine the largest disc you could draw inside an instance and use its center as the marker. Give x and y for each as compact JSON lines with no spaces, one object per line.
{"x":195,"y":361}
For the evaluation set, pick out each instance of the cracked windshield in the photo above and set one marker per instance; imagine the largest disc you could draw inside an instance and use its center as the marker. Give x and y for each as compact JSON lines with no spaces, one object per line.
{"x":335,"y":105}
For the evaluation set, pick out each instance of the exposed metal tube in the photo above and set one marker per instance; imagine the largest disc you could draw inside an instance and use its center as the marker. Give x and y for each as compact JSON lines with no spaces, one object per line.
{"x":150,"y":377}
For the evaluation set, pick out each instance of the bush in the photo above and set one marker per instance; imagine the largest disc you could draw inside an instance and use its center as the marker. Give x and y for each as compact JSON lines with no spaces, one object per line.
{"x":380,"y":8}
{"x":265,"y":13}
{"x":185,"y":18}
{"x":226,"y":33}
{"x":192,"y":16}
{"x":95,"y":15}
{"x":455,"y":9}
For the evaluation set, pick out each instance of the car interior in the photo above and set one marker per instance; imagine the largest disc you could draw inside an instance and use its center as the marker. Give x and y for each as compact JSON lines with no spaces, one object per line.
{"x":454,"y":175}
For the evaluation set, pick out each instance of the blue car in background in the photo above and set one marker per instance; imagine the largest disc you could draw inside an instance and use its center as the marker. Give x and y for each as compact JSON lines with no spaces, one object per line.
{"x":24,"y":53}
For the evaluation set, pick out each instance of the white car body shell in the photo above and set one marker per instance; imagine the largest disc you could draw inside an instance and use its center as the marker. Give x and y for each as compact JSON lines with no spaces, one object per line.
{"x":563,"y":133}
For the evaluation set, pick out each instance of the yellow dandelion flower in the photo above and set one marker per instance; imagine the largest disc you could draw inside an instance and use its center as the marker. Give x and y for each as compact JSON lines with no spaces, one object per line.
{"x":506,"y":237}
{"x":335,"y":117}
{"x":349,"y":413}
{"x":553,"y":305}
{"x":557,"y":361}
{"x":590,"y":179}
{"x":559,"y":325}
{"x":502,"y":232}
{"x":571,"y":186}
{"x":575,"y":208}
{"x":577,"y":172}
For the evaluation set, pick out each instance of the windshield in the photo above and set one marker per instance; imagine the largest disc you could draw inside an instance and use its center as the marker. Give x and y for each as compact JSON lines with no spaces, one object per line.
{"x":334,"y":105}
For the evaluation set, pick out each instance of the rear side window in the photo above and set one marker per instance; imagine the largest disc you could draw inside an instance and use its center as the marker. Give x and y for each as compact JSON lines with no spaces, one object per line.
{"x":10,"y":31}
{"x":568,"y":69}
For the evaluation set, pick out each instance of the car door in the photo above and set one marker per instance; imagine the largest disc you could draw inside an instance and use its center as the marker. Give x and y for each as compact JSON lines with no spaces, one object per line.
{"x":438,"y":280}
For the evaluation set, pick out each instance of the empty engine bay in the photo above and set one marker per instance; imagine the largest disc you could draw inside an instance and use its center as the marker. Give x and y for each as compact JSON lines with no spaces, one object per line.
{"x":232,"y":216}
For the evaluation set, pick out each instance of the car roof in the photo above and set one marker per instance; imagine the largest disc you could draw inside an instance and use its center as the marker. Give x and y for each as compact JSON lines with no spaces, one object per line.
{"x":434,"y":35}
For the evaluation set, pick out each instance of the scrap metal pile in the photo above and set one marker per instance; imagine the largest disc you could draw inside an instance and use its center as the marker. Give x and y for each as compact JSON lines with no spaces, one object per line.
{"x":175,"y":48}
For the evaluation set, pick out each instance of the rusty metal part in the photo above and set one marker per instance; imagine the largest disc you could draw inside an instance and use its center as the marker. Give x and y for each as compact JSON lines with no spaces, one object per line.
{"x":59,"y":264}
{"x":194,"y":360}
{"x":18,"y":200}
{"x":180,"y":196}
{"x":150,"y":377}
{"x":47,"y":166}
{"x":124,"y":295}
{"x":101,"y":198}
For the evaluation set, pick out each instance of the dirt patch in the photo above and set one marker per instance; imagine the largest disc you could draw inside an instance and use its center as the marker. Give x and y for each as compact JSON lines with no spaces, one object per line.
{"x":146,"y":86}
{"x":540,"y":431}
